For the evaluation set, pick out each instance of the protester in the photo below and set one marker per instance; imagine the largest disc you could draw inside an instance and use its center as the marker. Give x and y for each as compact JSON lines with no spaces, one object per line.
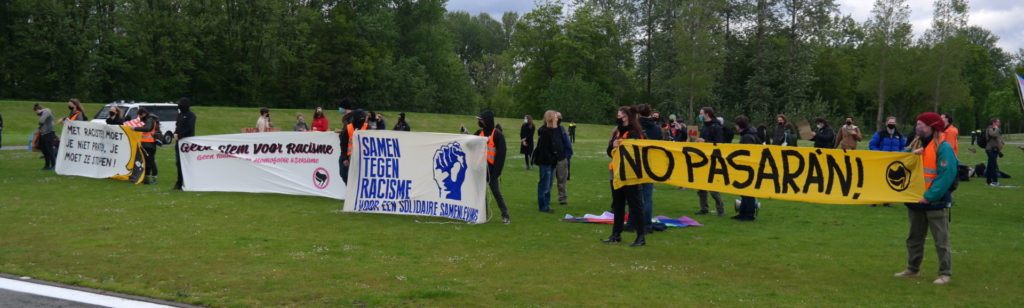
{"x":748,"y":135}
{"x":951,"y":134}
{"x":300,"y":123}
{"x":496,"y":150}
{"x":761,"y":133}
{"x":359,"y":120}
{"x":572,"y":131}
{"x":562,"y":167}
{"x":382,"y":124}
{"x":77,"y":113}
{"x":889,"y":139}
{"x":677,"y":129}
{"x":783,"y":133}
{"x":46,"y":136}
{"x":371,"y":121}
{"x":994,"y":149}
{"x":849,"y":135}
{"x":150,"y":125}
{"x":320,"y":122}
{"x":825,"y":136}
{"x":115,"y":116}
{"x":462,"y":129}
{"x":628,"y":127}
{"x":546,"y":155}
{"x":932,"y":211}
{"x":402,"y":125}
{"x":652,"y":131}
{"x":526,"y":140}
{"x":711,"y":133}
{"x":263,"y":123}
{"x":185,"y":127}
{"x":345,"y":109}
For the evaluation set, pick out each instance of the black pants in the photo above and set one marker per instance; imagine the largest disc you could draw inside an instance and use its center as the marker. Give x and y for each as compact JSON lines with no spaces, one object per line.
{"x":177,"y":163}
{"x":149,"y":154}
{"x":748,"y":207}
{"x":992,"y":169}
{"x":49,"y":149}
{"x":496,"y":191}
{"x":529,"y":157}
{"x":620,"y":197}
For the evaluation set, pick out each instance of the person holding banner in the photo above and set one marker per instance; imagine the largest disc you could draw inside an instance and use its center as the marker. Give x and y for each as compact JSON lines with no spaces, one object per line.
{"x":148,"y":128}
{"x":651,"y":131}
{"x":711,"y":133}
{"x":45,"y":136}
{"x":185,"y":127}
{"x":77,"y":112}
{"x":888,"y":139}
{"x":114,"y":116}
{"x":932,"y":211}
{"x":546,"y":156}
{"x":628,"y":127}
{"x":358,"y":118}
{"x":748,"y":135}
{"x":496,"y":150}
{"x":320,"y":123}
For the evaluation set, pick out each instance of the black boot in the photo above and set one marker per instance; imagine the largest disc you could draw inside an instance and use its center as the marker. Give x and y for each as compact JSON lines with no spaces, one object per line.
{"x":640,"y":241}
{"x":615,"y":238}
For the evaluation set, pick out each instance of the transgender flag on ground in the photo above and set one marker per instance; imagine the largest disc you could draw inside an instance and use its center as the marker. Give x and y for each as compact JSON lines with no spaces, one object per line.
{"x":1020,"y":88}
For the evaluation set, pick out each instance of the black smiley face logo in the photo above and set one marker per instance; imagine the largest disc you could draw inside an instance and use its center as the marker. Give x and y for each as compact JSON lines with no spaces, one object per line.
{"x":898,"y":176}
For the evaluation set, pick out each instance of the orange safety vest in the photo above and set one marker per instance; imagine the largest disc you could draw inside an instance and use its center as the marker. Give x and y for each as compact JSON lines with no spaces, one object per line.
{"x":74,"y":116}
{"x":930,"y":159}
{"x":611,"y":166}
{"x":148,"y":136}
{"x":491,"y":149}
{"x":952,"y":134}
{"x":351,"y":129}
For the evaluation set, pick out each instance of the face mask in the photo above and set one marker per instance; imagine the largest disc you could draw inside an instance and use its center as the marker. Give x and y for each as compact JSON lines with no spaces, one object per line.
{"x":891,"y":126}
{"x":920,"y":132}
{"x":113,"y":113}
{"x":820,"y":126}
{"x":849,"y":122}
{"x":619,"y":122}
{"x":526,"y":121}
{"x":341,"y":110}
{"x":480,"y":123}
{"x":71,"y":108}
{"x":701,"y":118}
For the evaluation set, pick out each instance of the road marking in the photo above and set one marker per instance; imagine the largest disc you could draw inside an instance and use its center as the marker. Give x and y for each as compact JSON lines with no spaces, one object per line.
{"x":73,"y":295}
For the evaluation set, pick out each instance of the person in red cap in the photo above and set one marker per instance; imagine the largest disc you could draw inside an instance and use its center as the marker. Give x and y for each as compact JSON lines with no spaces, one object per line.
{"x":932,"y":211}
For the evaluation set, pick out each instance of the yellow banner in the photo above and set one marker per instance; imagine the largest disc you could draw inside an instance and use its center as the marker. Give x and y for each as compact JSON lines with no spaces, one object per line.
{"x":773,"y":172}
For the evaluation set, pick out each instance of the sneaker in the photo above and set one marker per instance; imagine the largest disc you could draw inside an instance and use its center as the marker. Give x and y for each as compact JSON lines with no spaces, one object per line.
{"x":996,"y":184}
{"x":906,"y":273}
{"x":701,"y":213}
{"x":943,"y":279}
{"x":506,"y":220}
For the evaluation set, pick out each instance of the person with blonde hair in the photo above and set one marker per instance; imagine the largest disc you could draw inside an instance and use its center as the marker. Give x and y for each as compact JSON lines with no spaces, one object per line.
{"x":546,"y":155}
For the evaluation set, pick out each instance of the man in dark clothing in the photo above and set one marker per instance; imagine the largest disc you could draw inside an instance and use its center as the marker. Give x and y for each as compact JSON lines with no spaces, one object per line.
{"x":402,"y":125}
{"x":562,"y":167}
{"x":572,"y":131}
{"x":748,"y":135}
{"x":186,"y":127}
{"x":358,"y":118}
{"x":779,"y":136}
{"x":496,"y":148}
{"x":994,"y":149}
{"x":46,"y":136}
{"x":825,"y":137}
{"x":652,"y":131}
{"x":711,"y":133}
{"x":150,"y":125}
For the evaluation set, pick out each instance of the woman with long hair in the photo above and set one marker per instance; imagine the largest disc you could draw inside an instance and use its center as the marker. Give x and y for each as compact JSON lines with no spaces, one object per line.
{"x":526,"y":139}
{"x":627,"y":127}
{"x":77,"y":112}
{"x":546,"y":156}
{"x":319,"y":121}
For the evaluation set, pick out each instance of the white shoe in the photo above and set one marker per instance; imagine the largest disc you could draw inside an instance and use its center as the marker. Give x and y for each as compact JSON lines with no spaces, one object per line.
{"x":905,"y":273}
{"x":943,"y":279}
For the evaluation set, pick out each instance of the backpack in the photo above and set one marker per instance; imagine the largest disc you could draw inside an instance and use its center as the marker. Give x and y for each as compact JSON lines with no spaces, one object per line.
{"x":982,"y":140}
{"x":727,"y":134}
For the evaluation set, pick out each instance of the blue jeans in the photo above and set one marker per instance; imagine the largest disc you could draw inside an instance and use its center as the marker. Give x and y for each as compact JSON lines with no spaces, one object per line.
{"x":647,"y":194}
{"x":544,"y":187}
{"x":992,"y":169}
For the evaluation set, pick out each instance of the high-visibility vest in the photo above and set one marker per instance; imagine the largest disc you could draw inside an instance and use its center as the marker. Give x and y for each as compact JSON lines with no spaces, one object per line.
{"x":930,"y":159}
{"x":351,"y":129}
{"x":148,"y":136}
{"x":611,"y":166}
{"x":74,"y":116}
{"x":492,"y":151}
{"x":951,"y":135}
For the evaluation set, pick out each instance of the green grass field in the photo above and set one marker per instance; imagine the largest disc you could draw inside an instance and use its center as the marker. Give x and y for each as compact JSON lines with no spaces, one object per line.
{"x":237,"y":250}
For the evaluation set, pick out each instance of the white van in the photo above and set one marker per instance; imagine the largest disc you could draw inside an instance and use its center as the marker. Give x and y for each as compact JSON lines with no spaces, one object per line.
{"x":166,"y":112}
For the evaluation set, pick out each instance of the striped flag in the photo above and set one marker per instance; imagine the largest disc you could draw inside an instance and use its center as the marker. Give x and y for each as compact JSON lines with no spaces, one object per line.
{"x":1020,"y":87}
{"x":135,"y":123}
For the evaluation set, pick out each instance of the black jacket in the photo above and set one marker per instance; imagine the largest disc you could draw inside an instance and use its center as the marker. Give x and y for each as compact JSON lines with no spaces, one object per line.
{"x":549,"y":149}
{"x":826,"y":138}
{"x":500,"y":148}
{"x":749,"y":135}
{"x":712,"y":132}
{"x":402,"y":126}
{"x":619,"y":130}
{"x":526,"y":132}
{"x":651,"y":129}
{"x":186,"y":123}
{"x":779,"y":136}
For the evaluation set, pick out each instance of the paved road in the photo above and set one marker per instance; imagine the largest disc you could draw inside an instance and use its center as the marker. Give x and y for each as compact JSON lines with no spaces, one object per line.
{"x":16,"y":299}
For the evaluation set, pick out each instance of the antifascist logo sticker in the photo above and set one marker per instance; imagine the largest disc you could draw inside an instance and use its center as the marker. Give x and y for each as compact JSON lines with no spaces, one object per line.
{"x":898,"y":176}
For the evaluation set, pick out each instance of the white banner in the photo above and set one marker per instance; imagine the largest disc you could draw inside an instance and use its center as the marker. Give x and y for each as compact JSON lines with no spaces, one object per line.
{"x":425,"y":174}
{"x":99,"y":151}
{"x":293,"y":163}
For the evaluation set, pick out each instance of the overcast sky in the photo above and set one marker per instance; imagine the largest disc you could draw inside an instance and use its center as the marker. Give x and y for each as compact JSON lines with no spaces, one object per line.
{"x":1005,"y":18}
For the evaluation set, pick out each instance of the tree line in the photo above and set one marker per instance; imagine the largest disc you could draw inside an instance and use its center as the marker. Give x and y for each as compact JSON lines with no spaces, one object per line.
{"x":803,"y":58}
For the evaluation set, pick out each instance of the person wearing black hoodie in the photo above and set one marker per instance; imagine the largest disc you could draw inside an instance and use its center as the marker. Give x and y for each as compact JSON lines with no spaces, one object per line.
{"x":185,"y":127}
{"x":401,"y":125}
{"x":359,"y":122}
{"x":825,"y":137}
{"x":628,"y":127}
{"x":712,"y":132}
{"x":652,"y":131}
{"x":496,"y":149}
{"x":748,"y":135}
